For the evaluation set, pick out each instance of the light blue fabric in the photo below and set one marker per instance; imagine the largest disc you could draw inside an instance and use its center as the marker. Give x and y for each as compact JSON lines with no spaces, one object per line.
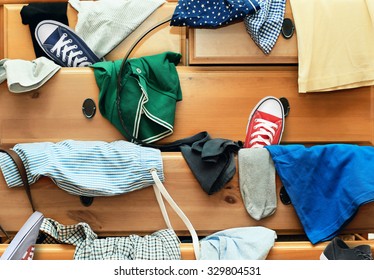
{"x":326,"y":183}
{"x":244,"y":243}
{"x":86,"y":168}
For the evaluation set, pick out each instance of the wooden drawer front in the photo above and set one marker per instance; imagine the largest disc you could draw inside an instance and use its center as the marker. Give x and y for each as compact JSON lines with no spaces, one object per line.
{"x":138,"y":212}
{"x":18,"y":45}
{"x":216,"y":100}
{"x":233,"y":45}
{"x":290,"y":250}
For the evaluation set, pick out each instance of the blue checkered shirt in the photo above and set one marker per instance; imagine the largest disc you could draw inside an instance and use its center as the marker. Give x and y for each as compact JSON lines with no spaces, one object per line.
{"x":265,"y":26}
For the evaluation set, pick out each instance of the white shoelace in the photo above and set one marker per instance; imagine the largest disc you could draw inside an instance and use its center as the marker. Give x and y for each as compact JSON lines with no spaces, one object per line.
{"x":267,"y":130}
{"x":161,"y":192}
{"x":63,"y":47}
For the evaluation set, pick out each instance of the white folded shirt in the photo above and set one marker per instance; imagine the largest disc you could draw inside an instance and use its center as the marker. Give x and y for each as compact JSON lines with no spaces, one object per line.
{"x":24,"y":75}
{"x":106,"y":23}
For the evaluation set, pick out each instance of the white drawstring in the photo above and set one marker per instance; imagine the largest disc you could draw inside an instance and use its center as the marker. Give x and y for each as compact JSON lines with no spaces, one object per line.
{"x":162,"y":207}
{"x":159,"y":188}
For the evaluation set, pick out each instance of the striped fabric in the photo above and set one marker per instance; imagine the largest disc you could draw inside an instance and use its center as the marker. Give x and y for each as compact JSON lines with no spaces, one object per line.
{"x":160,"y":245}
{"x":86,"y":168}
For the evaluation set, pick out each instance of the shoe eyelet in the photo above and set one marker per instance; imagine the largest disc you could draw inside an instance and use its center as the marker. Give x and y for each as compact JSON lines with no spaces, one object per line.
{"x":70,"y":40}
{"x":75,"y":47}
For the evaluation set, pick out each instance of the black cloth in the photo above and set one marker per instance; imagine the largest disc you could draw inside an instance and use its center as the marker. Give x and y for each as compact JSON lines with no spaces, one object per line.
{"x":212,"y":161}
{"x":34,"y":13}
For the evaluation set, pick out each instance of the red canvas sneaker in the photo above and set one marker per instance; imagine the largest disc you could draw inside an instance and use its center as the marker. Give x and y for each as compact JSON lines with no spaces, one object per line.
{"x":266,"y":123}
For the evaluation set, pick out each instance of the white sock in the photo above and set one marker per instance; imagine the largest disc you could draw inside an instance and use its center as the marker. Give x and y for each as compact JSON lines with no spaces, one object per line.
{"x":24,"y":75}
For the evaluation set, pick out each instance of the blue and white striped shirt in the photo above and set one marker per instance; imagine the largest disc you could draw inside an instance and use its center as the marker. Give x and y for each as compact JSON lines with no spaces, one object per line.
{"x":86,"y":168}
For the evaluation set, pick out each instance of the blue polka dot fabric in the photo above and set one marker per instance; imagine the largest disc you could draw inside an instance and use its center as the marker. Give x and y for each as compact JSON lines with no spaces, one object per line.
{"x":212,"y":13}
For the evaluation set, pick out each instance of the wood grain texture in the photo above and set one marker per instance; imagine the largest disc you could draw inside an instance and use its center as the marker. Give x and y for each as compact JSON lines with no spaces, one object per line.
{"x":2,"y":32}
{"x":66,"y":252}
{"x":281,"y":251}
{"x":2,"y":2}
{"x":233,"y":45}
{"x":18,"y":45}
{"x":218,"y":100}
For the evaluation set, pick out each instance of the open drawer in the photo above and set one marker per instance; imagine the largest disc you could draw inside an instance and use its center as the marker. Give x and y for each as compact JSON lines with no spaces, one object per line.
{"x":233,"y":45}
{"x":17,"y":42}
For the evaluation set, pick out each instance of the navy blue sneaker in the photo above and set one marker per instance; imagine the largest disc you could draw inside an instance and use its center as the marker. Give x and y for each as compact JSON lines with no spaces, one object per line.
{"x":22,"y":245}
{"x":63,"y":45}
{"x":337,"y":249}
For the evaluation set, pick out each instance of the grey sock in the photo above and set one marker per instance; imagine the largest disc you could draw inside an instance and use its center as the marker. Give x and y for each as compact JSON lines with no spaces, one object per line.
{"x":257,"y":182}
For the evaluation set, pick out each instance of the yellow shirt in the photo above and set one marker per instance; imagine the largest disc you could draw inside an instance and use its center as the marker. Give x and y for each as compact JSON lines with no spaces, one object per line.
{"x":335,"y":43}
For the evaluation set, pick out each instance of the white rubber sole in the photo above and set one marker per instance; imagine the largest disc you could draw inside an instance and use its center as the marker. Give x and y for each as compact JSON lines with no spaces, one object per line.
{"x":322,"y":257}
